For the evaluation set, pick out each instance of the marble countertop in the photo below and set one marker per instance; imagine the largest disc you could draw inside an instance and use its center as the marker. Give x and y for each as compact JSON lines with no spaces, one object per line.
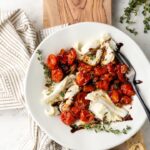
{"x":14,"y":123}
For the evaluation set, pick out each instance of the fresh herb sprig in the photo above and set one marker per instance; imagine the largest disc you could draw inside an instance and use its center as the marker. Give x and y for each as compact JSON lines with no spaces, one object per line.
{"x":45,"y":68}
{"x":132,"y":10}
{"x":107,"y":128}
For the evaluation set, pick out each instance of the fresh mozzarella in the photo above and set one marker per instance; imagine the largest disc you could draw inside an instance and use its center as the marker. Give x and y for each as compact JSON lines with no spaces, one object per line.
{"x":105,"y":37}
{"x":71,"y":92}
{"x":93,"y":61}
{"x":90,"y":44}
{"x":51,"y":111}
{"x":59,"y":87}
{"x":109,"y":56}
{"x":101,"y":111}
{"x":112,"y":44}
{"x":84,"y":49}
{"x":101,"y":104}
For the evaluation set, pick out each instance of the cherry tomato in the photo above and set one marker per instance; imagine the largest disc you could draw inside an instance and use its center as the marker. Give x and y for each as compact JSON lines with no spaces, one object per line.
{"x":115,"y":96}
{"x":71,"y":56}
{"x":82,"y":78}
{"x":86,"y":116}
{"x":62,"y":57}
{"x":107,"y":77}
{"x":67,"y":117}
{"x":111,"y":68}
{"x":52,"y":61}
{"x":57,"y":75}
{"x":88,"y":88}
{"x":120,"y":75}
{"x":76,"y":111}
{"x":98,"y":71}
{"x":104,"y":85}
{"x":126,"y":100}
{"x":84,"y":67}
{"x":124,"y":68}
{"x":80,"y":100}
{"x":127,"y":89}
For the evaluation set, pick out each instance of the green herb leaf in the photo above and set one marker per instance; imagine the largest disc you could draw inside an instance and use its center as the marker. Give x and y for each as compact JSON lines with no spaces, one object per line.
{"x":62,"y":94}
{"x":132,"y":30}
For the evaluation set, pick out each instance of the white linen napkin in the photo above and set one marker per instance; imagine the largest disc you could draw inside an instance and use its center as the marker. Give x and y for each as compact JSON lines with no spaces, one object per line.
{"x":18,"y":40}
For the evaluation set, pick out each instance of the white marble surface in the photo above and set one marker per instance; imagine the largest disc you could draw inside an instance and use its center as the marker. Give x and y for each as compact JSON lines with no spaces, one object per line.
{"x":14,"y":123}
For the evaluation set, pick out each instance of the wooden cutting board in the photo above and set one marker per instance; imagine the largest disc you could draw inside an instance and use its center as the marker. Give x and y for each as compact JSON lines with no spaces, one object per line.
{"x":58,"y":12}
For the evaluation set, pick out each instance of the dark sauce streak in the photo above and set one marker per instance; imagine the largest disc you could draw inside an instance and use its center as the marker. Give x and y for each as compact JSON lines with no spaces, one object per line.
{"x":119,"y":45}
{"x":128,"y":117}
{"x":56,"y":103}
{"x":138,"y":81}
{"x":74,"y":129}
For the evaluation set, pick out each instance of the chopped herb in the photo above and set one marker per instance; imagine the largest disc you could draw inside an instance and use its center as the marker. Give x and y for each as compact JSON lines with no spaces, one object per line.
{"x":116,"y":85}
{"x":132,"y":30}
{"x":62,"y":94}
{"x":132,"y":10}
{"x":92,"y":57}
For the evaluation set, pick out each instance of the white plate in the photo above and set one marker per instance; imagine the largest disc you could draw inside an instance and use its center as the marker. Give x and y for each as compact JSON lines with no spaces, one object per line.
{"x":85,"y":140}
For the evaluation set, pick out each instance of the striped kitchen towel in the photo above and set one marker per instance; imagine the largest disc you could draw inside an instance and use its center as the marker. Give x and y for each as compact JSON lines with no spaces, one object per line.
{"x":18,"y":40}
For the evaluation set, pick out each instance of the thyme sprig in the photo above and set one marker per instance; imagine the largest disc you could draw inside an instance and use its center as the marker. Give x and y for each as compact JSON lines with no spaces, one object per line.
{"x":45,"y":68}
{"x":107,"y":128}
{"x":132,"y":10}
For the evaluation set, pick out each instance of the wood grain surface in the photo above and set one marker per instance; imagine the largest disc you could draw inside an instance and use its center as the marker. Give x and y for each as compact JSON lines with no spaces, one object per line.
{"x":58,"y":12}
{"x":71,"y":11}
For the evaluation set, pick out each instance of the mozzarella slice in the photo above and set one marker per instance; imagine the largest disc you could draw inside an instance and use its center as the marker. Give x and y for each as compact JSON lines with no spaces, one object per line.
{"x":109,"y":56}
{"x":90,"y":44}
{"x":105,"y":37}
{"x":59,"y":87}
{"x":93,"y":61}
{"x":101,"y":111}
{"x":101,"y":104}
{"x":84,"y":49}
{"x":71,"y":92}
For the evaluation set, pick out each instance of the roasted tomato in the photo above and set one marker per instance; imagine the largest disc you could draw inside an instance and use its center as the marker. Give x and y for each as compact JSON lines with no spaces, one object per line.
{"x":111,"y":68}
{"x":120,"y":75}
{"x":98,"y":71}
{"x":115,"y":96}
{"x":82,"y":78}
{"x":88,"y":88}
{"x":124,"y":68}
{"x":127,"y":89}
{"x":80,"y":100}
{"x":104,"y":85}
{"x":86,"y":116}
{"x":84,"y":67}
{"x":52,"y":61}
{"x":107,"y":77}
{"x":62,"y":57}
{"x":76,"y":111}
{"x":57,"y":75}
{"x":71,"y":56}
{"x":126,"y":100}
{"x":67,"y":117}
